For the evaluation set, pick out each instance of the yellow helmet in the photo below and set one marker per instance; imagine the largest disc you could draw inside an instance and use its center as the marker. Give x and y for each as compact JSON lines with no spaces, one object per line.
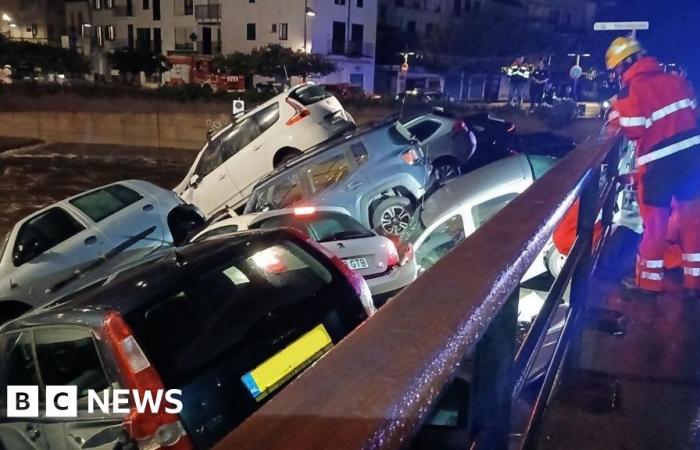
{"x":621,"y":49}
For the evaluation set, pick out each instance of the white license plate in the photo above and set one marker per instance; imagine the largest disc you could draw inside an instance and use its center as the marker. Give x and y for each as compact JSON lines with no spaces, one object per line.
{"x":357,"y":263}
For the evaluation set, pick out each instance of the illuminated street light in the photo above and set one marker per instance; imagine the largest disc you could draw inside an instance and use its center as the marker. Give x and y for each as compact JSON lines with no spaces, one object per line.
{"x":310,"y":12}
{"x":13,"y":25}
{"x":6,"y":17}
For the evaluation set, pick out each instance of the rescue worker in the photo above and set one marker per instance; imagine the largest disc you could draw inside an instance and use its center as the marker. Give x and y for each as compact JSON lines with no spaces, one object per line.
{"x":539,"y":77}
{"x":657,"y":111}
{"x":519,"y":74}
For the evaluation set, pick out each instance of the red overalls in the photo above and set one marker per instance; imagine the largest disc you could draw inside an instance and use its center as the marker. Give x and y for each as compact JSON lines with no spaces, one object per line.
{"x":657,"y":111}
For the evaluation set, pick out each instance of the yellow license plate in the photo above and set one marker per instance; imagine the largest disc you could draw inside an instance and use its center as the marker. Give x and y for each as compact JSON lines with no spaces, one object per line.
{"x":287,"y":363}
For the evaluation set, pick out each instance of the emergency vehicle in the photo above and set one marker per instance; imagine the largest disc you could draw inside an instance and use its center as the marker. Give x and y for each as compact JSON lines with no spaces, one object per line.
{"x":198,"y":69}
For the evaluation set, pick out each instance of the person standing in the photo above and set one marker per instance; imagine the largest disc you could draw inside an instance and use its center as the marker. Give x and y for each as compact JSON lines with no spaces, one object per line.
{"x":657,"y":111}
{"x":519,"y":73}
{"x":540,"y":76}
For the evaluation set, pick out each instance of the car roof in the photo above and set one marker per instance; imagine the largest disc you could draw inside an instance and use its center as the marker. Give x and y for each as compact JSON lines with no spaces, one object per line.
{"x":141,"y":282}
{"x":462,"y":189}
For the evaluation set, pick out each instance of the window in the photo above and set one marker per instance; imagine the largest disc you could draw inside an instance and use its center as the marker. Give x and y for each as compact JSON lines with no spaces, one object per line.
{"x":360,"y":3}
{"x":356,"y":38}
{"x":242,"y":134}
{"x":338,"y":38}
{"x":274,"y":28}
{"x":282,"y":192}
{"x":110,"y":34}
{"x":182,"y":39}
{"x":97,"y":4}
{"x":156,"y":9}
{"x":212,"y":157}
{"x":328,"y":171}
{"x":357,"y":79}
{"x":130,"y":35}
{"x":157,"y":40}
{"x":283,"y":32}
{"x":251,"y":1}
{"x":20,"y":365}
{"x":399,"y":3}
{"x":250,"y":31}
{"x":189,"y":9}
{"x":68,"y":356}
{"x":99,"y":36}
{"x":428,"y":28}
{"x":359,"y":152}
{"x":457,"y":8}
{"x":339,"y":2}
{"x":483,"y":212}
{"x":226,"y":229}
{"x":145,"y":4}
{"x":45,"y":231}
{"x":423,"y":130}
{"x":310,"y":94}
{"x":143,"y":38}
{"x":540,"y":164}
{"x":267,"y":117}
{"x":100,"y":204}
{"x":320,"y":226}
{"x":109,"y":4}
{"x":411,"y":26}
{"x":129,"y":7}
{"x":440,"y":241}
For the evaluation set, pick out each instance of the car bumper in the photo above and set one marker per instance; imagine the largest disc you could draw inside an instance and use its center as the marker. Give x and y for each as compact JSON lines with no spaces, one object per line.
{"x":397,"y":279}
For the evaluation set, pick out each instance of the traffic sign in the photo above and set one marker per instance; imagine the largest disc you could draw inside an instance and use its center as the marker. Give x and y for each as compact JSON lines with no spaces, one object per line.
{"x":620,"y":26}
{"x":576,"y":72}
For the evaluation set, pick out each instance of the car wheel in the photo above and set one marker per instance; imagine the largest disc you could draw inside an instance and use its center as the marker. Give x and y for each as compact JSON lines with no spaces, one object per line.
{"x":392,"y":216}
{"x":445,"y":170}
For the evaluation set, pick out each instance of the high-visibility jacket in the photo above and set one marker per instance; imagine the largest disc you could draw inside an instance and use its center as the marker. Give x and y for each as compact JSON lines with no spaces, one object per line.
{"x":657,"y":110}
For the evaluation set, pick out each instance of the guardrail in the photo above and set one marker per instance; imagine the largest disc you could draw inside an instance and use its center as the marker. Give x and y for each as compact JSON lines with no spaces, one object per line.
{"x":375,"y":390}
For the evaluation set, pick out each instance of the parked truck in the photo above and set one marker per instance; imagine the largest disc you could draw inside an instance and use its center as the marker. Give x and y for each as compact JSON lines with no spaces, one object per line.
{"x":198,"y":70}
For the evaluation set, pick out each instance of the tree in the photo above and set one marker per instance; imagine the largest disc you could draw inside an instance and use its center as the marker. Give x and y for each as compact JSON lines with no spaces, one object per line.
{"x":25,"y":58}
{"x":130,"y":62}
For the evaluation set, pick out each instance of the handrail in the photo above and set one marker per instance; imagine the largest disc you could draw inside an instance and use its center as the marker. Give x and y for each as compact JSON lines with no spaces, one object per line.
{"x":374,"y":390}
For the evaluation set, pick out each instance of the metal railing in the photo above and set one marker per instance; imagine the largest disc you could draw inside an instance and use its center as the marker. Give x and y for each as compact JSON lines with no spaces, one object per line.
{"x":208,"y":13}
{"x":378,"y":386}
{"x":350,"y":48}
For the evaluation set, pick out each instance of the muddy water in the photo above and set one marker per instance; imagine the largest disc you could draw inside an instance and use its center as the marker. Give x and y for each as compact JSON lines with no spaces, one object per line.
{"x":36,"y":176}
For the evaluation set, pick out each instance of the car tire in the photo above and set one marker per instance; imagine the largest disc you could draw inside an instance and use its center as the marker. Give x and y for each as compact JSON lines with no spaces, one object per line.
{"x":392,"y":216}
{"x":446,"y":169}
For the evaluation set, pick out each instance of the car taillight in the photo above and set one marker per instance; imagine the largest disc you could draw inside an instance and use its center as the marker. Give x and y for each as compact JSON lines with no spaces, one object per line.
{"x":459,"y":126}
{"x":392,"y":259}
{"x":412,"y":156}
{"x":511,"y":129}
{"x":408,"y":254}
{"x":299,"y":112}
{"x":304,"y":210}
{"x":150,"y":430}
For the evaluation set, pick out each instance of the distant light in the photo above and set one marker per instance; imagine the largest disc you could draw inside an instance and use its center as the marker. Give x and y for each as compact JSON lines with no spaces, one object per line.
{"x":87,"y":25}
{"x":606,"y":104}
{"x":12,"y":25}
{"x":304,"y":210}
{"x":6,"y":17}
{"x":310,"y":12}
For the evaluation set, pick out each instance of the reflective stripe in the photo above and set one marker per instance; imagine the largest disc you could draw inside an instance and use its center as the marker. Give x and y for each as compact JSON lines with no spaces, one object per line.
{"x":670,"y":109}
{"x":653,"y":276}
{"x":692,"y":272}
{"x":653,"y":263}
{"x":633,"y":121}
{"x":692,"y":257}
{"x":667,"y":151}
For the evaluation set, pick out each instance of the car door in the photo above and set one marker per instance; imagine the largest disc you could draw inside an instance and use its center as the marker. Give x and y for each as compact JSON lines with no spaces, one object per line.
{"x":68,"y":356}
{"x":211,"y":187}
{"x":18,"y":368}
{"x":130,"y":220}
{"x":249,"y":150}
{"x":49,"y":247}
{"x":439,"y":240}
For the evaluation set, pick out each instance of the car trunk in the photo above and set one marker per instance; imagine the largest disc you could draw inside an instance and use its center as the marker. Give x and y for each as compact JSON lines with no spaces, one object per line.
{"x":367,"y":256}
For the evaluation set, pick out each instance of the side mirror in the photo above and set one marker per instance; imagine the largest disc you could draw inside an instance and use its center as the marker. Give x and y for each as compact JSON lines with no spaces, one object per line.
{"x":26,"y":250}
{"x":194,"y":180}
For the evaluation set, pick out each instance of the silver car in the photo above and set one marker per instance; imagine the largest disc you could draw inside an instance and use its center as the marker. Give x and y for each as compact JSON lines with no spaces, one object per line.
{"x":103,"y":227}
{"x":374,"y":257}
{"x":378,"y":173}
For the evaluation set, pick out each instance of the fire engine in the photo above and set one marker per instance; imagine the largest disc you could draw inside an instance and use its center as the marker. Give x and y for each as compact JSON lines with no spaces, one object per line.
{"x":197,"y":69}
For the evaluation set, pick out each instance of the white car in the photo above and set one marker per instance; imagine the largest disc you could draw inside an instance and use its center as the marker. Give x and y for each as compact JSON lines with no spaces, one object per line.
{"x":374,"y":257}
{"x":260,"y":140}
{"x":97,"y":229}
{"x":457,"y":209}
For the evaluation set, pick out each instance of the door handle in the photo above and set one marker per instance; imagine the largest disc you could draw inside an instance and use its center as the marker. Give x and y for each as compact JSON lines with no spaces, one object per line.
{"x":90,"y":240}
{"x":354,"y":186}
{"x":222,"y":176}
{"x":148,"y":207}
{"x":33,"y":432}
{"x":257,"y":147}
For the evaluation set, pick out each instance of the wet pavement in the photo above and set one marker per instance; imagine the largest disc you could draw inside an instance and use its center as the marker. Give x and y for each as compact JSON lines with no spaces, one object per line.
{"x":36,"y":176}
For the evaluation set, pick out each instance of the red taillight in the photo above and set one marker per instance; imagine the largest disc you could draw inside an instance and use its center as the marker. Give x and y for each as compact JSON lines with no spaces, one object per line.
{"x":153,"y":430}
{"x":304,"y":210}
{"x":408,"y":254}
{"x":300,"y":112}
{"x":393,"y":256}
{"x":459,"y":126}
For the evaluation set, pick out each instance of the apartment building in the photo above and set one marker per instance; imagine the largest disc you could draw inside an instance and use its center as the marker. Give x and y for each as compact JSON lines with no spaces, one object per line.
{"x":40,"y":21}
{"x":344,"y":30}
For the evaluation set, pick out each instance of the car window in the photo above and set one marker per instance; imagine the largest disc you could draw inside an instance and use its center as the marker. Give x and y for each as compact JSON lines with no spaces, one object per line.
{"x":47,"y":230}
{"x":230,"y":308}
{"x":100,"y":204}
{"x":360,"y":153}
{"x":440,"y":241}
{"x":267,"y":117}
{"x":484,"y":211}
{"x":20,"y":366}
{"x":322,"y":226}
{"x":424,"y":130}
{"x":541,"y":164}
{"x":226,"y":229}
{"x":212,"y":157}
{"x":282,"y":192}
{"x":68,"y":357}
{"x":308,"y":95}
{"x":327,"y":171}
{"x":242,"y":134}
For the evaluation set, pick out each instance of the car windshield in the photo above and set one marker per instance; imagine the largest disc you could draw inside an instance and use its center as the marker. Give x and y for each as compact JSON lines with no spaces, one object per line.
{"x":223,"y":307}
{"x":320,"y":226}
{"x":399,"y":134}
{"x":308,"y":95}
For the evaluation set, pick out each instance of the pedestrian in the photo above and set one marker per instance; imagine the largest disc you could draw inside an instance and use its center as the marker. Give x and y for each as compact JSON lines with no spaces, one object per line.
{"x":611,"y":87}
{"x":519,"y":73}
{"x":657,"y":111}
{"x":540,"y":77}
{"x":550,"y":94}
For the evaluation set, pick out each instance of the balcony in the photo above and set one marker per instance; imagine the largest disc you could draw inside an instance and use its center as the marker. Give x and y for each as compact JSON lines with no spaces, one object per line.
{"x":351,"y":48}
{"x":210,"y":13}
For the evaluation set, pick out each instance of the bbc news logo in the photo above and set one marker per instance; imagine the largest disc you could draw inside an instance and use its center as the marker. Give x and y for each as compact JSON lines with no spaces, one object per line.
{"x":62,"y":401}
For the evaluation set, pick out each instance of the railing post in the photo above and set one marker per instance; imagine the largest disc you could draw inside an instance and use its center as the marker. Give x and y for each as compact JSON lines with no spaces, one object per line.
{"x":494,"y":378}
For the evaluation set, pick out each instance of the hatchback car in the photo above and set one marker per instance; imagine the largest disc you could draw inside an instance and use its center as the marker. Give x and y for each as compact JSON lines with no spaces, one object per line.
{"x":260,"y":140}
{"x":374,"y":257}
{"x":229,"y":322}
{"x":378,"y":173}
{"x":457,"y":209}
{"x":104,"y":226}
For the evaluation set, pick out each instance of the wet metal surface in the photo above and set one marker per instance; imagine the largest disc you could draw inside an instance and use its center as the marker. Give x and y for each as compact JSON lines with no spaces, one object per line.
{"x":36,"y":176}
{"x":640,"y":390}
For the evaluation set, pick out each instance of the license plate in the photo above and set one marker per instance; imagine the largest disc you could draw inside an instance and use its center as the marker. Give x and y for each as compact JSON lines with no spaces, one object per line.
{"x":286,"y":364}
{"x":357,"y":263}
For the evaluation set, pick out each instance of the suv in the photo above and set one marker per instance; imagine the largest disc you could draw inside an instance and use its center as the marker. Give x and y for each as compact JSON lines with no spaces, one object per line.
{"x":103,"y":227}
{"x":229,"y":322}
{"x":260,"y":140}
{"x":377,"y":173}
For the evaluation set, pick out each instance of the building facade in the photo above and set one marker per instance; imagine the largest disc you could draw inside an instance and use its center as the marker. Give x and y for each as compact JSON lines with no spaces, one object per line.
{"x":343,"y":30}
{"x":39,"y":21}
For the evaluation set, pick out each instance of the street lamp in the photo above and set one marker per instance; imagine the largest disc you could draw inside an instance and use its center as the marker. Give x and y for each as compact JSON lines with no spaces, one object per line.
{"x":308,"y":12}
{"x":6,"y":17}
